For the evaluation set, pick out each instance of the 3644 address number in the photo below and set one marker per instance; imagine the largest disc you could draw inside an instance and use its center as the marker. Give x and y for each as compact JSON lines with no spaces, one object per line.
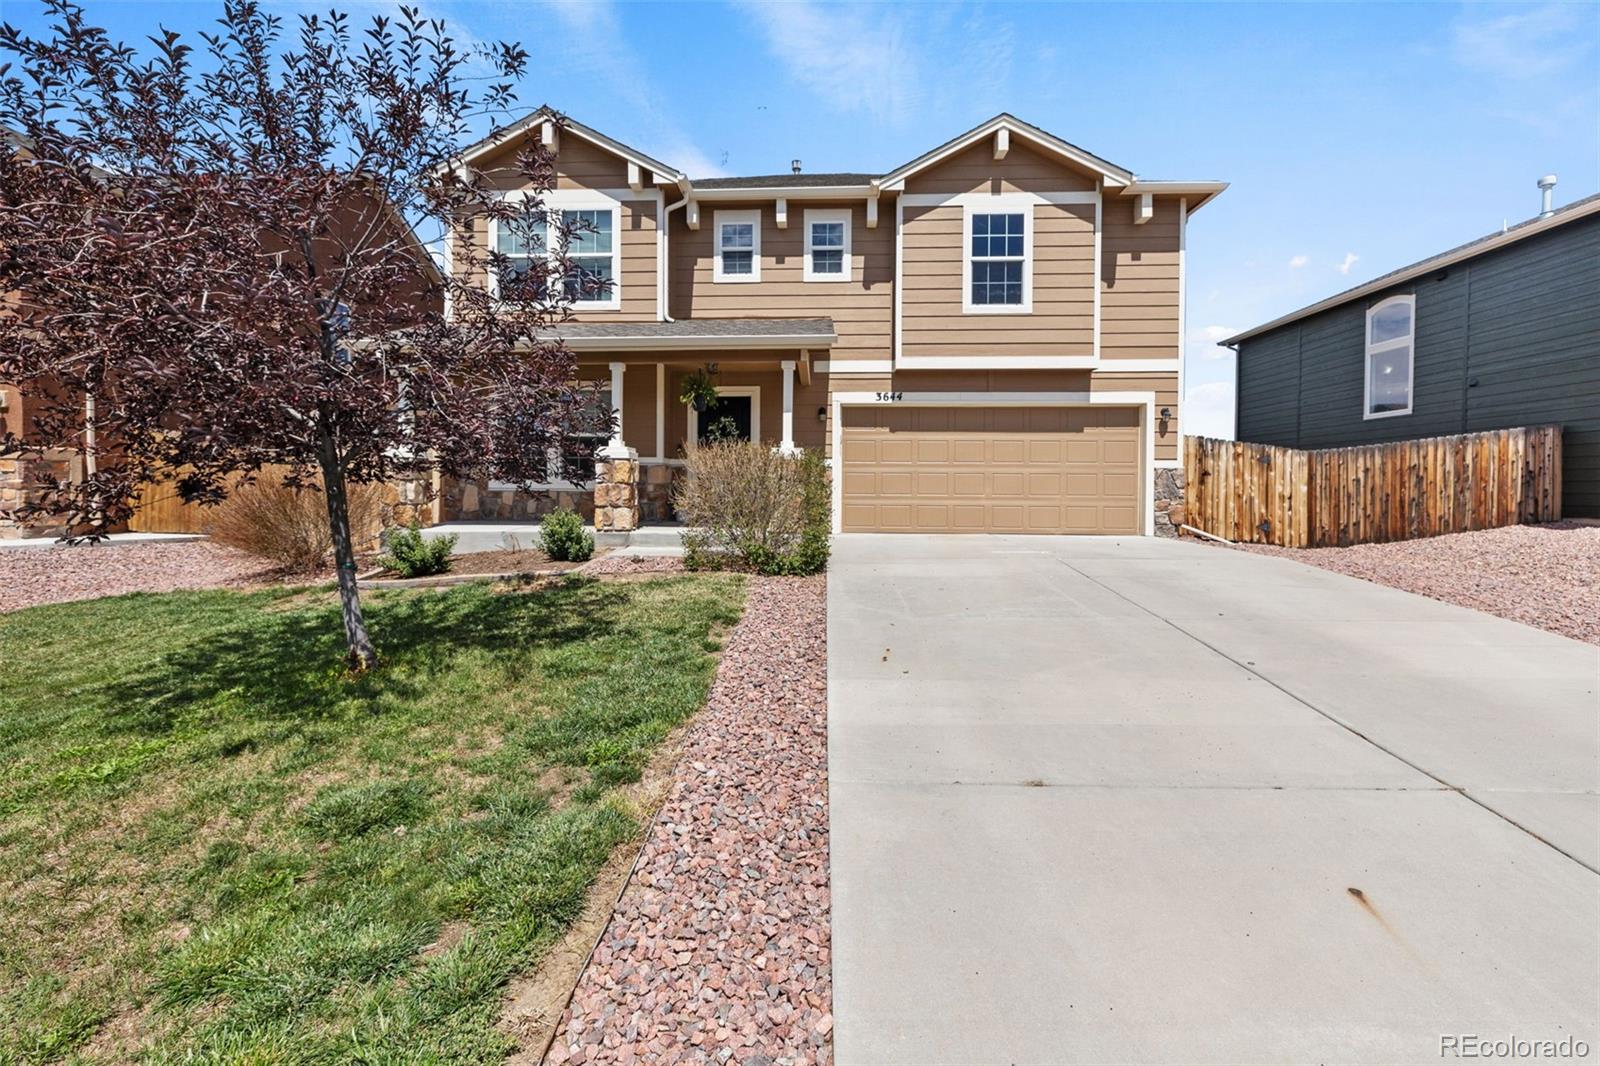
{"x":889,"y":397}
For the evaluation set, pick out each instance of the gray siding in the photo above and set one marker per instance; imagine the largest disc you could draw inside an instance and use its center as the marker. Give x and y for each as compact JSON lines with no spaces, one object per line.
{"x":1509,"y":338}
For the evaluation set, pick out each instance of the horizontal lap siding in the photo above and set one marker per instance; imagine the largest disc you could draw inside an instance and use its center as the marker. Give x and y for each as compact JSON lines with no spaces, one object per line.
{"x":862,"y":309}
{"x":975,"y":169}
{"x":1139,"y":313}
{"x":1062,"y":321}
{"x":579,"y":165}
{"x":1164,"y":384}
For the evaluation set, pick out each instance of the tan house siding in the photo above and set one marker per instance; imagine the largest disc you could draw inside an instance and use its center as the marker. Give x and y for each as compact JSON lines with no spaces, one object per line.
{"x":975,"y":169}
{"x":1164,"y":384}
{"x":933,"y":256}
{"x":1139,"y":313}
{"x":584,"y":167}
{"x":862,"y":309}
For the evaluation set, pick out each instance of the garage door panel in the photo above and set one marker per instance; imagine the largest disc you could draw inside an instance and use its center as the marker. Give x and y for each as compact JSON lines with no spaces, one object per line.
{"x":996,"y":469}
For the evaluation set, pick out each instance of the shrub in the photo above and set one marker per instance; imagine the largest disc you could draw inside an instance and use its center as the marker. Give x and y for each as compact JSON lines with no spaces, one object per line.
{"x":413,"y":555}
{"x":746,"y":504}
{"x":564,"y":537}
{"x":290,"y":525}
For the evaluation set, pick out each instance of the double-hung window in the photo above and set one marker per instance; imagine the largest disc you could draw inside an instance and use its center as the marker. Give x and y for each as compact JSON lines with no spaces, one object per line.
{"x":1391,"y":331}
{"x":738,"y":248}
{"x":590,"y":282}
{"x":828,"y":245}
{"x":999,"y":278}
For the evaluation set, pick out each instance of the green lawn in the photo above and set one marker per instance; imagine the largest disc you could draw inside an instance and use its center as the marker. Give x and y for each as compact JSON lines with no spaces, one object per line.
{"x":213,"y":840}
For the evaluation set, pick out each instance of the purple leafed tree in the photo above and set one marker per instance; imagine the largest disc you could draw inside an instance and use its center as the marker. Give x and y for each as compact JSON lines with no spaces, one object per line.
{"x":205,"y":262}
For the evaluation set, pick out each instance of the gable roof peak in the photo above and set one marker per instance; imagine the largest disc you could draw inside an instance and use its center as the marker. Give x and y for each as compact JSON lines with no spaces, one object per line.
{"x":1110,"y":173}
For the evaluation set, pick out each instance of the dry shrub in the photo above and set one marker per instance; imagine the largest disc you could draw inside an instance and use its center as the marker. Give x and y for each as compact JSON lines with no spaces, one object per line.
{"x":290,"y":526}
{"x":746,"y":502}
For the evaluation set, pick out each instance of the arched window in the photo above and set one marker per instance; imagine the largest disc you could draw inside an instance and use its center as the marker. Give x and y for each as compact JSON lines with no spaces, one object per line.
{"x":1391,"y":327}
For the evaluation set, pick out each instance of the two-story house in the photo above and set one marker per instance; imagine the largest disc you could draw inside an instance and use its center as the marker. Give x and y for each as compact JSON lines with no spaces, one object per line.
{"x":986,"y":339}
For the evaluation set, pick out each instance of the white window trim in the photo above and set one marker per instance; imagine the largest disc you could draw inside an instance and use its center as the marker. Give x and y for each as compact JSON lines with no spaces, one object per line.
{"x":1005,"y":204}
{"x":1409,"y":341}
{"x":722,"y":218}
{"x":752,"y":391}
{"x":576,"y":200}
{"x":830,"y":214}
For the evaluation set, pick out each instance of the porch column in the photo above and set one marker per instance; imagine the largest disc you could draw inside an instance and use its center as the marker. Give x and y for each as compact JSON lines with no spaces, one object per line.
{"x":787,"y":445}
{"x":616,"y":448}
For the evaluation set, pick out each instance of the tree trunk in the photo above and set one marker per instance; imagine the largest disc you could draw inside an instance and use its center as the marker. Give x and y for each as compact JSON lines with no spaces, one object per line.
{"x":360,"y":653}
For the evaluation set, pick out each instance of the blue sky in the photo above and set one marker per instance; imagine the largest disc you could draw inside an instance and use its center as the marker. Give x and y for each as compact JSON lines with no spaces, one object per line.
{"x":1357,"y":138}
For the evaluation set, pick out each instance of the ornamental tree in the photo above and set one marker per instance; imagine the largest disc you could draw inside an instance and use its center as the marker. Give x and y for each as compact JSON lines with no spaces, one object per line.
{"x":206,"y":262}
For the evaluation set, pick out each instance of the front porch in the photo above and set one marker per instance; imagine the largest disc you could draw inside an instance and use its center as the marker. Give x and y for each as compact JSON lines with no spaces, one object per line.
{"x":767,"y":392}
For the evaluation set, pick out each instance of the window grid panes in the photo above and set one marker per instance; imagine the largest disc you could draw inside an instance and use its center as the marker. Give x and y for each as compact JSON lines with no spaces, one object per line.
{"x":827,"y":248}
{"x":998,"y":252}
{"x":738,"y":248}
{"x":589,"y":252}
{"x":522,"y":245}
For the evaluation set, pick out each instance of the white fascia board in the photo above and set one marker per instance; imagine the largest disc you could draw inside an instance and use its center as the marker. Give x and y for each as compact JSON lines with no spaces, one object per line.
{"x":895,"y":181}
{"x":997,"y":362}
{"x":674,"y":343}
{"x":811,"y":192}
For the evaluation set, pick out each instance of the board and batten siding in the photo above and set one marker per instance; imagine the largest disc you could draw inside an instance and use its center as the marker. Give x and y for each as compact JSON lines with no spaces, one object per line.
{"x":1509,"y":338}
{"x":862,"y":309}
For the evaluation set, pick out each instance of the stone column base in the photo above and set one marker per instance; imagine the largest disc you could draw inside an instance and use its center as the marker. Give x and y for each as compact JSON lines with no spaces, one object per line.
{"x":1167,"y":497}
{"x":616,"y":492}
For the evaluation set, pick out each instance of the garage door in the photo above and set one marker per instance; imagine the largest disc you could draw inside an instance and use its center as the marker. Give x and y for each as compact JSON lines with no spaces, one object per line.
{"x":990,"y":470}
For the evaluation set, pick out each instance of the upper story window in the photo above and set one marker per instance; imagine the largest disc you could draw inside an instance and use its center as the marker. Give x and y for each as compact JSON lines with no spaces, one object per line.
{"x":828,"y":245}
{"x":592,"y":281}
{"x":1391,"y":329}
{"x":738,"y":249}
{"x":998,"y":265}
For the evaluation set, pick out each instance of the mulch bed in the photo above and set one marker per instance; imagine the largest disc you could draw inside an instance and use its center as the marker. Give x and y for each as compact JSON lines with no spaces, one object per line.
{"x":31,"y":576}
{"x":1546,"y":576}
{"x":635,"y":564}
{"x":719,"y":949}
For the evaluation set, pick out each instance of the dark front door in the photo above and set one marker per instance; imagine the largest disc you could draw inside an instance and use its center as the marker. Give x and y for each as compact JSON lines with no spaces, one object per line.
{"x":726,"y":418}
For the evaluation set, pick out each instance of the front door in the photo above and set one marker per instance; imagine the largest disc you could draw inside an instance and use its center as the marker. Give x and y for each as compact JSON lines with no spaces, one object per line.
{"x":726,"y":418}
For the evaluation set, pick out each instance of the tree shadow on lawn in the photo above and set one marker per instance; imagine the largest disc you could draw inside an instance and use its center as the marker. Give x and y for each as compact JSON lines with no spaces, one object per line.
{"x":274,"y":665}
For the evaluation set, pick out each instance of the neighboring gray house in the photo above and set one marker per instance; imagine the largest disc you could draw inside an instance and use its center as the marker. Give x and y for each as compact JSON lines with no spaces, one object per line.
{"x":1504,"y":331}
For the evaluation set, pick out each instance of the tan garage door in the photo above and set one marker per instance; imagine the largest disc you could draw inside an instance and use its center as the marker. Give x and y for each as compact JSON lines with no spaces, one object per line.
{"x":990,"y":470}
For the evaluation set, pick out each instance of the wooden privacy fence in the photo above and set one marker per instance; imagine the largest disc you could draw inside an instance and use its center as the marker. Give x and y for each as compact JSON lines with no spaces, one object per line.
{"x":159,"y":508}
{"x":1374,"y":493}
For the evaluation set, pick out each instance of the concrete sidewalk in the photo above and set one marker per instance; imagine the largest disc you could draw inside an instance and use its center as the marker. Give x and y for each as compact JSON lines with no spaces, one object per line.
{"x":1105,"y":800}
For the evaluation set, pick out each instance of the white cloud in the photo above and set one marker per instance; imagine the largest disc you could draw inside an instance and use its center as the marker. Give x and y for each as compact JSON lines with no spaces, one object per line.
{"x":1299,"y":261}
{"x":1208,"y":410}
{"x":1528,"y":43}
{"x":1205,"y":342}
{"x":854,"y":58}
{"x":1348,"y":262}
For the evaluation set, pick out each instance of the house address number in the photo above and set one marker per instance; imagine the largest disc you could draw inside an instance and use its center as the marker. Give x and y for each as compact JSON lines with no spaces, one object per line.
{"x":889,"y":397}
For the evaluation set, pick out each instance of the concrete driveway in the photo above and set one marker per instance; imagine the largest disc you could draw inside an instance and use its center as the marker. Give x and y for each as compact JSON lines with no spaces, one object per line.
{"x":1132,"y":800}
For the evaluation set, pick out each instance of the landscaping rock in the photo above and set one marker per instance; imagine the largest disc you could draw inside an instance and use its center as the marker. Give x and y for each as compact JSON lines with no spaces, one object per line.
{"x":719,"y":949}
{"x":1546,"y":576}
{"x":33,"y":576}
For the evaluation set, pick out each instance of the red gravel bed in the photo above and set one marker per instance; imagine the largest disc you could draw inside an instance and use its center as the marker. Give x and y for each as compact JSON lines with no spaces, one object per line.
{"x":33,"y":576}
{"x":719,"y":950}
{"x":635,"y":564}
{"x":1546,"y":576}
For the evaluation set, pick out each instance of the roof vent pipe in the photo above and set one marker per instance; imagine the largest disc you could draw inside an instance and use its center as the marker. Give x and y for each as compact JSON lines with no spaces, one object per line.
{"x":794,"y":166}
{"x":1547,"y":184}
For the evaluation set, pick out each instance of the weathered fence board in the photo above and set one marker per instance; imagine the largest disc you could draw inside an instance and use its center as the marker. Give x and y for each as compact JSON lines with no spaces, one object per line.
{"x":1367,"y":494}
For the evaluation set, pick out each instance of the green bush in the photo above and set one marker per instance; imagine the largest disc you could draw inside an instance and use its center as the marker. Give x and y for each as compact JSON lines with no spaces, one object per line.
{"x":564,"y":537}
{"x":747,"y":505}
{"x":413,"y":555}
